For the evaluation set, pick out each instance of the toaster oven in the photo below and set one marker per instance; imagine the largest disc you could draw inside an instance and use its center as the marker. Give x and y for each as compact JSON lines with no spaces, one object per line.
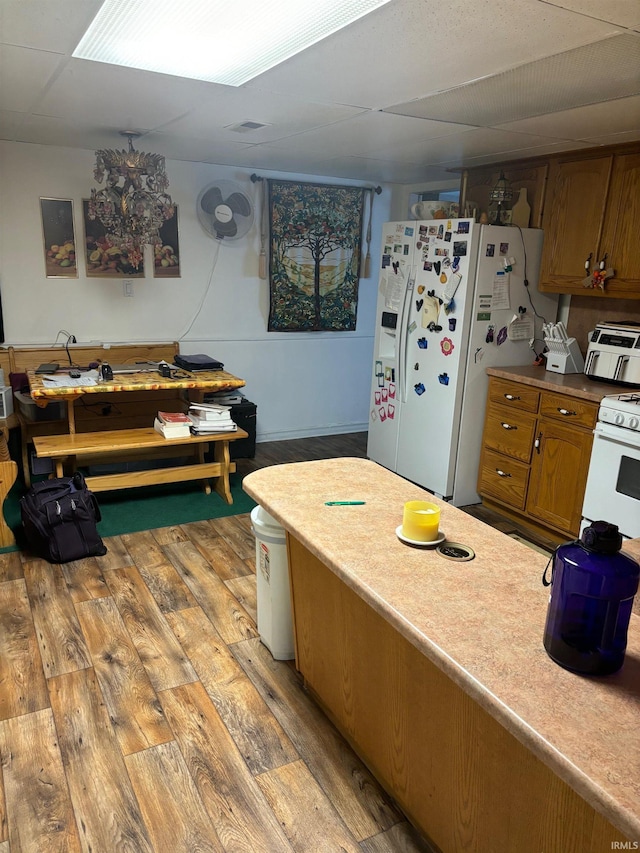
{"x":613,"y":354}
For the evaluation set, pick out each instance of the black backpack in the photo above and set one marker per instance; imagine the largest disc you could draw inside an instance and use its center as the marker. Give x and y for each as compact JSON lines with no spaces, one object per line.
{"x":59,"y":519}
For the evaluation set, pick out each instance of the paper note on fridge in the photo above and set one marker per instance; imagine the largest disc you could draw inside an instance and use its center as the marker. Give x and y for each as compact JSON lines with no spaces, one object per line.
{"x":430,"y":311}
{"x":392,"y":287}
{"x":501,"y":291}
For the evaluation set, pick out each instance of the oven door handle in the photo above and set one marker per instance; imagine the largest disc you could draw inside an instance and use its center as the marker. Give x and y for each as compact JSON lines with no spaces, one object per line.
{"x":620,"y":435}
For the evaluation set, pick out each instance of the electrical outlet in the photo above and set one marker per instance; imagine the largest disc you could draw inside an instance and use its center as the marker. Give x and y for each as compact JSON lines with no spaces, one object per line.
{"x":127,"y":287}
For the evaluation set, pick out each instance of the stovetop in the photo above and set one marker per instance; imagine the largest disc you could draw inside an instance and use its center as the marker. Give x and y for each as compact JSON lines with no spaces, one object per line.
{"x":622,"y":410}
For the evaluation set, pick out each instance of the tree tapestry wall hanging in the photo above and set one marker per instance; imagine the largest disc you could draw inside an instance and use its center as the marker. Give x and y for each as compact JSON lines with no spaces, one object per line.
{"x":314,"y":259}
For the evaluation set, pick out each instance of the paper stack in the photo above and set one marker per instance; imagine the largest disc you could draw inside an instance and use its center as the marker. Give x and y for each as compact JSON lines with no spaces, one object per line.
{"x":173,"y":424}
{"x":210,"y":417}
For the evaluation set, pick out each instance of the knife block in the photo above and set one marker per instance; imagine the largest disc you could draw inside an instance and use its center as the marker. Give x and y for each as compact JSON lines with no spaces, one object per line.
{"x":570,"y":361}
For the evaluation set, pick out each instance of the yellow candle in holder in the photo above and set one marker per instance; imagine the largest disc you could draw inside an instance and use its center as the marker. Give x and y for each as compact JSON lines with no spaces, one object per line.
{"x":420,"y":521}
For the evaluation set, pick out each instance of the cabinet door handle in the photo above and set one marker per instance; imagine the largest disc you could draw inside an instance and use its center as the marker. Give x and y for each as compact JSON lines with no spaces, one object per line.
{"x":502,"y":473}
{"x":511,"y":397}
{"x":566,"y":412}
{"x":508,"y":426}
{"x":536,"y":443}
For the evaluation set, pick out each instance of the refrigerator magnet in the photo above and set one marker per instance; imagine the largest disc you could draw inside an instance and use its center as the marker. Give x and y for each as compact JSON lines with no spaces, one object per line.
{"x":420,"y":288}
{"x":502,"y":336}
{"x":392,"y":391}
{"x":419,"y":389}
{"x":491,"y":250}
{"x":374,"y":415}
{"x":378,"y":368}
{"x":443,"y":379}
{"x":437,"y":266}
{"x":463,"y":228}
{"x":391,"y":410}
{"x":377,"y":397}
{"x":385,"y":395}
{"x":504,"y":248}
{"x":440,"y":232}
{"x":423,"y":343}
{"x":455,"y":265}
{"x":428,"y":266}
{"x":419,"y":304}
{"x":382,"y":413}
{"x":460,"y":248}
{"x":412,"y":327}
{"x":446,"y":345}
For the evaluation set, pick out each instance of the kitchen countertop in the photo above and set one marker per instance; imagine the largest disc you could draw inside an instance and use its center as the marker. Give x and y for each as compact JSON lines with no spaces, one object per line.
{"x":573,"y":384}
{"x":481,"y":622}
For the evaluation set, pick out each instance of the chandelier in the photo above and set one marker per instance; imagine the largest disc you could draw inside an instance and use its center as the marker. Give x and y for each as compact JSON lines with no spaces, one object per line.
{"x":500,"y":194}
{"x":134,"y":204}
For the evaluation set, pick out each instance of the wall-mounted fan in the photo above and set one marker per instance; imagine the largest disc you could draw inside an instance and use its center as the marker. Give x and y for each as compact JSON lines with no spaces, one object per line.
{"x":225,"y":211}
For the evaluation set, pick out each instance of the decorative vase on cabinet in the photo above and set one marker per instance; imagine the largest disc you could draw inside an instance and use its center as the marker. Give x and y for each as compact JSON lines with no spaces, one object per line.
{"x":521,"y":210}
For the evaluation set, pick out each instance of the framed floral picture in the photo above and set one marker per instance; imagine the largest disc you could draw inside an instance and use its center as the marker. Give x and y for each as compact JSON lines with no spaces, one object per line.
{"x":104,"y":260}
{"x":166,"y":257}
{"x":58,"y":237}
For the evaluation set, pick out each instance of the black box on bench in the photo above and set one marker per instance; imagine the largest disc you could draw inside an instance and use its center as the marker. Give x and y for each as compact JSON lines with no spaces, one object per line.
{"x":244,"y":415}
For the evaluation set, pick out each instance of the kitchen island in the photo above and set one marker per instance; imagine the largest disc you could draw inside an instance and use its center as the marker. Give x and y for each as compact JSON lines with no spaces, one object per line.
{"x":435,"y":671}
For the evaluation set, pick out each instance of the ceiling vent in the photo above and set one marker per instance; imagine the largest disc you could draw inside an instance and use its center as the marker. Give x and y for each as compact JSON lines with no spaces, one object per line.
{"x":246,"y":126}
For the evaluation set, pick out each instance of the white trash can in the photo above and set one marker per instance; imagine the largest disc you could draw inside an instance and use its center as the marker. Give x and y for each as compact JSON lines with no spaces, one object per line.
{"x":275,"y":625}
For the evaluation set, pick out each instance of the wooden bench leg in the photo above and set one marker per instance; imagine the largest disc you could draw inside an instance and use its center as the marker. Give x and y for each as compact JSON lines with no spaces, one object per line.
{"x":206,"y":485}
{"x":24,"y":446}
{"x":8,"y":476}
{"x":222,"y":455}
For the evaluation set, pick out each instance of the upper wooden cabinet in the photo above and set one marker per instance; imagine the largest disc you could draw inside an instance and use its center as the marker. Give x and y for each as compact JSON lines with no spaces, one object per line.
{"x":591,"y":209}
{"x":589,"y":204}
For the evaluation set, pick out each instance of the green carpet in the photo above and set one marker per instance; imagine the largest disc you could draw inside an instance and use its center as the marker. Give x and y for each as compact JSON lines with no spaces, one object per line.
{"x":132,"y":510}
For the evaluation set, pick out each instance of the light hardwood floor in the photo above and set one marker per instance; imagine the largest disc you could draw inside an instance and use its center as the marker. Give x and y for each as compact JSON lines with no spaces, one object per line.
{"x":140,"y":712}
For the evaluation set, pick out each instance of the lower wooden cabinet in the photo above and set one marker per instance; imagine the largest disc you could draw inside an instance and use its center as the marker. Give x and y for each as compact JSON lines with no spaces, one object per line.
{"x":535,"y":457}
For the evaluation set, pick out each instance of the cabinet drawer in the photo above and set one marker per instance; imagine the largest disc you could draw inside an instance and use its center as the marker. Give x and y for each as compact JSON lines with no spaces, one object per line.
{"x":510,"y":431}
{"x":569,"y":410}
{"x":503,"y":479}
{"x":514,"y":394}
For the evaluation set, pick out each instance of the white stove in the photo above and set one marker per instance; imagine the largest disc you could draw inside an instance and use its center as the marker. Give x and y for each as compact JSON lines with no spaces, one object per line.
{"x":621,"y":410}
{"x":613,"y":485}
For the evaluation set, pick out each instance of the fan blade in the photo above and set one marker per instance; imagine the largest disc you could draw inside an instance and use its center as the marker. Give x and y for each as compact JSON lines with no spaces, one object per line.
{"x":210,"y":200}
{"x":239,"y":204}
{"x":225,"y":229}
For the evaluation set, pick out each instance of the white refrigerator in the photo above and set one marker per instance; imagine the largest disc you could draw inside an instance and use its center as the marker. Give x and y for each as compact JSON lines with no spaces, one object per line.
{"x":452,"y":301}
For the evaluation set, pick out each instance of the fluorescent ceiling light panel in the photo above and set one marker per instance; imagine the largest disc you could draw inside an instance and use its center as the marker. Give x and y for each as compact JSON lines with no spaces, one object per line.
{"x":220,"y":41}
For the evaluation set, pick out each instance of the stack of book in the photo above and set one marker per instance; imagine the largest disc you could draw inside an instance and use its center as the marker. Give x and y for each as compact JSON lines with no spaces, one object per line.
{"x":210,"y":417}
{"x":173,"y":424}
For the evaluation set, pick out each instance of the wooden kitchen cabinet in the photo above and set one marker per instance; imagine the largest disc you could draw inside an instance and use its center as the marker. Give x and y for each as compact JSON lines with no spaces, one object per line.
{"x":591,"y":209}
{"x":535,"y":456}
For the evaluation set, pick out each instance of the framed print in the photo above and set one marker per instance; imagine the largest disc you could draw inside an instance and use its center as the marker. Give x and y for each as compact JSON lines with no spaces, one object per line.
{"x":104,"y":260}
{"x":166,"y":258}
{"x":58,"y":238}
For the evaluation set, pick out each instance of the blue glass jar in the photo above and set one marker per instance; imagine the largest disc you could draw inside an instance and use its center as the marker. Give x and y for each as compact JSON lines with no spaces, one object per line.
{"x":592,"y":591}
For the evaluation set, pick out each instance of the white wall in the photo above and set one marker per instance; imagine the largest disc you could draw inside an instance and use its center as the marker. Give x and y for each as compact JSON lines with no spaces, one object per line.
{"x":303,"y":384}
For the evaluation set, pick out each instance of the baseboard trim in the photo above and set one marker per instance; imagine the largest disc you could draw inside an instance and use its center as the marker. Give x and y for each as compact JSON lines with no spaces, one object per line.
{"x":312,"y":432}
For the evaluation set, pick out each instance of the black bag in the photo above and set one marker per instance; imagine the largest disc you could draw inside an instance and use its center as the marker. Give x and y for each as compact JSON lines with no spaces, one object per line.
{"x":197,"y":362}
{"x":59,"y":519}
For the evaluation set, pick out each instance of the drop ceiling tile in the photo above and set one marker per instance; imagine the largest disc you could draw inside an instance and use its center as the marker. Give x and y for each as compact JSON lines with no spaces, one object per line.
{"x":372,"y":131}
{"x":579,"y":123}
{"x":459,"y":148}
{"x":125,"y":97}
{"x":522,"y":153}
{"x":534,"y":89}
{"x":623,"y":13}
{"x":383,"y":171}
{"x":283,"y":115}
{"x":29,"y":72}
{"x":10,"y":122}
{"x":195,"y":149}
{"x":56,"y":27}
{"x":410,"y":48}
{"x":49,"y":130}
{"x":614,"y":138}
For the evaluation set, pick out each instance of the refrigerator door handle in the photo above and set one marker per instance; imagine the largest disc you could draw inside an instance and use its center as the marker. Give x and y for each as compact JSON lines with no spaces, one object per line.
{"x":404,"y":336}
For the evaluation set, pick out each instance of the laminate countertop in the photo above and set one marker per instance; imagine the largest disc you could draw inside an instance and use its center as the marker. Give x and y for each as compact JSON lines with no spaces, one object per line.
{"x":481,"y":622}
{"x":572,"y":384}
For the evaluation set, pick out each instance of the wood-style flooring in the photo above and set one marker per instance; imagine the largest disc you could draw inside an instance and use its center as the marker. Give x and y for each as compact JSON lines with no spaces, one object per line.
{"x":140,"y":712}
